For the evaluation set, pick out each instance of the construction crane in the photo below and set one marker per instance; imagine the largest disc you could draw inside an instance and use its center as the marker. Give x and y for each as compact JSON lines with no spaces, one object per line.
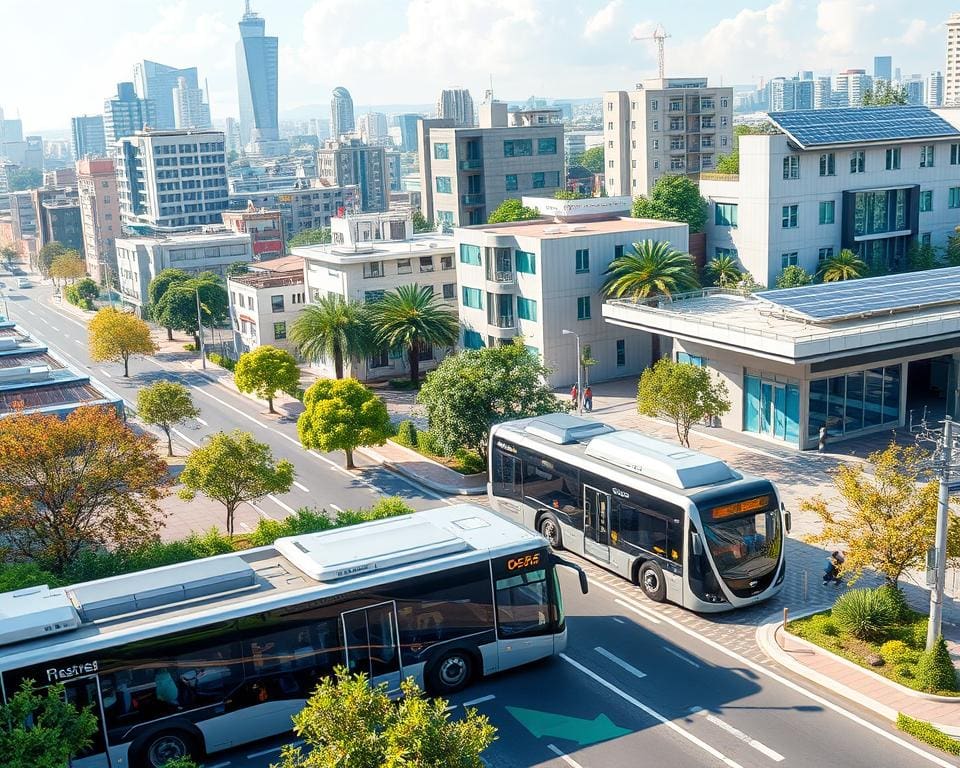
{"x":659,"y":35}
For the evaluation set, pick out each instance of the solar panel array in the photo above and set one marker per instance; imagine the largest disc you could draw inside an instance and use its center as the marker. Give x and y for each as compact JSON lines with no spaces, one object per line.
{"x":823,"y":127}
{"x":830,"y":302}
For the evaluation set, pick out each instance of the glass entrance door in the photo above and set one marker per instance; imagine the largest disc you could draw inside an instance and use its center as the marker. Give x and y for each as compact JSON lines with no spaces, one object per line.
{"x":85,"y":692}
{"x":771,"y":409}
{"x":596,"y":523}
{"x":372,"y":645}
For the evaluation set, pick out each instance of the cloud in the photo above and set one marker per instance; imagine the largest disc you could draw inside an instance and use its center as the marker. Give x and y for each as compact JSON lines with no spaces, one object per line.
{"x":602,"y":20}
{"x":916,"y":31}
{"x":841,"y":24}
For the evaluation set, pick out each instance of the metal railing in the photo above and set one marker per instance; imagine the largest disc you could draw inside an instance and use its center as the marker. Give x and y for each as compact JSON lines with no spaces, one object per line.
{"x":473,"y":199}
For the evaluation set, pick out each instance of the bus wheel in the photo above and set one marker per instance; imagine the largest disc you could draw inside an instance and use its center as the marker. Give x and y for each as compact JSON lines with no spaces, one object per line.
{"x":652,"y":583}
{"x":161,"y":748}
{"x":451,"y":673}
{"x":550,"y":530}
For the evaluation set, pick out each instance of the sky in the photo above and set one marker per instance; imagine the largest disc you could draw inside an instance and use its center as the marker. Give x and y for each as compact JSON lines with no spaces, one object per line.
{"x":61,"y":58}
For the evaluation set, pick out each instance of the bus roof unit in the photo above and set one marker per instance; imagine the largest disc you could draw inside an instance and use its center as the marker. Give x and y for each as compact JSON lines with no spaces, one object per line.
{"x":563,"y":428}
{"x":35,"y":612}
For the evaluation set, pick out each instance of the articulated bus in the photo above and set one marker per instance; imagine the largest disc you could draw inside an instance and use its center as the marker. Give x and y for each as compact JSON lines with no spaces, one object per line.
{"x":684,"y":526}
{"x":194,"y":658}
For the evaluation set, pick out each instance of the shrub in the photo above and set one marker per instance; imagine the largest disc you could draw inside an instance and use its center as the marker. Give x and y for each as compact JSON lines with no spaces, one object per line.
{"x":180,"y":762}
{"x":306,"y":520}
{"x":428,"y":443}
{"x":190,"y":347}
{"x":822,"y":624}
{"x":865,"y":613}
{"x":935,"y":670}
{"x":897,"y":599}
{"x":222,"y":360}
{"x":15,"y":576}
{"x":927,"y":733}
{"x":919,"y":634}
{"x":905,"y":671}
{"x":407,"y":434}
{"x":897,"y":652}
{"x":468,"y":462}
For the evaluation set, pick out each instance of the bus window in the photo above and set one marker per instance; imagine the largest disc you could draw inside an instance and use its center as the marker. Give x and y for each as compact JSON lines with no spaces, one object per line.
{"x":641,"y":528}
{"x":522,"y":604}
{"x":506,"y":475}
{"x":554,"y":485}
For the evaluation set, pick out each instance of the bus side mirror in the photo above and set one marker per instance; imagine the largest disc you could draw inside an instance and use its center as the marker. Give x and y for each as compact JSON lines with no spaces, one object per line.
{"x":787,"y":520}
{"x":584,"y":586}
{"x":697,"y":544}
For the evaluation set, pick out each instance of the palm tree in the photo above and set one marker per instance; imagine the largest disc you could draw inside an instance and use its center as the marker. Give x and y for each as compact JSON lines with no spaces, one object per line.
{"x":723,"y":270}
{"x":332,"y":328}
{"x":412,"y":317}
{"x":846,"y":265}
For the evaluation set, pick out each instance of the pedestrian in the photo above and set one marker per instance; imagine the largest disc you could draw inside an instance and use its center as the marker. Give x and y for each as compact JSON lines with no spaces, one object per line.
{"x":822,"y":442}
{"x":574,"y":393}
{"x":588,"y":399}
{"x":832,"y":571}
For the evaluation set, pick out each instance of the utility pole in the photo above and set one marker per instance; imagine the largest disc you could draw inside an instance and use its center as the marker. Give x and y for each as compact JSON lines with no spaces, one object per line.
{"x":203,"y":357}
{"x":659,"y":36}
{"x":579,"y":368}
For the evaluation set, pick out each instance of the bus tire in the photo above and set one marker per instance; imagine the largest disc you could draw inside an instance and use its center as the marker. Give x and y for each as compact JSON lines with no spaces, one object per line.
{"x":159,"y":748}
{"x":451,"y":672}
{"x":550,"y":530}
{"x":652,"y":582}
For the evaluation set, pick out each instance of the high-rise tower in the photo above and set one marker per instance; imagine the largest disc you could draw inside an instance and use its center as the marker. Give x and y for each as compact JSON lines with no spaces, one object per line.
{"x":257,"y":81}
{"x":342,"y":119}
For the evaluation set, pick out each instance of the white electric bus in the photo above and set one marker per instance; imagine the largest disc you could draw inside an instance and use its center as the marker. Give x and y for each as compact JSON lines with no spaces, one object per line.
{"x":198,"y":657}
{"x":684,"y":526}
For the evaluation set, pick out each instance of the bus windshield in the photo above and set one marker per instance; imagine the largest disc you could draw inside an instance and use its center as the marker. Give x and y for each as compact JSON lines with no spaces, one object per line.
{"x":745,"y":547}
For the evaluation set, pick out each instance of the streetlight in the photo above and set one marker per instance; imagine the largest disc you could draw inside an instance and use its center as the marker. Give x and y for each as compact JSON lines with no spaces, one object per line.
{"x":203,"y":357}
{"x":579,"y":389}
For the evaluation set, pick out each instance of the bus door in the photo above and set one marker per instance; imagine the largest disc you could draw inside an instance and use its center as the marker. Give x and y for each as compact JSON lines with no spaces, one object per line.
{"x":596,"y":523}
{"x":372,"y":644}
{"x":85,"y":692}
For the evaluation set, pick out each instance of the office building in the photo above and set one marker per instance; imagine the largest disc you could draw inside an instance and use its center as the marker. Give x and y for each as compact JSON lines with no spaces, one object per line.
{"x":231,"y":136}
{"x":190,"y":109}
{"x":126,"y":113}
{"x":342,"y":118}
{"x":465,"y":173}
{"x":60,"y":177}
{"x":257,"y":73}
{"x":301,"y":207}
{"x":265,"y":228}
{"x":786,"y":95}
{"x":23,"y":219}
{"x":394,"y":171}
{"x":407,"y":123}
{"x":11,"y":128}
{"x":99,"y":216}
{"x":536,"y":279}
{"x":822,"y":93}
{"x":934,"y":90}
{"x":827,"y":181}
{"x":575,"y":143}
{"x":370,"y":255}
{"x":850,"y":86}
{"x":456,"y":104}
{"x":347,"y":162}
{"x":87,"y":137}
{"x":170,"y":180}
{"x":669,"y":126}
{"x":951,"y":81}
{"x":157,"y":82}
{"x":33,"y":153}
{"x":265,"y":302}
{"x":883,"y":68}
{"x":915,"y":88}
{"x":373,"y":128}
{"x":57,"y":214}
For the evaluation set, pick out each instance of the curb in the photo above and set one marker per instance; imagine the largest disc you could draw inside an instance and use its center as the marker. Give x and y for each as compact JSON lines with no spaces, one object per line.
{"x":450,"y":490}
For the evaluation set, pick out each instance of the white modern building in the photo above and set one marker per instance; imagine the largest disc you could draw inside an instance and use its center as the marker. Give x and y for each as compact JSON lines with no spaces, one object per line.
{"x":951,"y":94}
{"x":537,"y":279}
{"x":190,"y":108}
{"x":456,"y":104}
{"x":873,"y":180}
{"x":265,"y":302}
{"x":850,"y":86}
{"x":370,"y":255}
{"x":934,"y":90}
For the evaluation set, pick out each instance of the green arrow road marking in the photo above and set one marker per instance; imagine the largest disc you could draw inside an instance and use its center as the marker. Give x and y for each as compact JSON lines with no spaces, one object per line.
{"x":584,"y":732}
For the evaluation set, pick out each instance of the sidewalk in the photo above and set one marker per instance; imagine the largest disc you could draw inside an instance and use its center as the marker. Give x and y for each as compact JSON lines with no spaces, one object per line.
{"x":420,"y":469}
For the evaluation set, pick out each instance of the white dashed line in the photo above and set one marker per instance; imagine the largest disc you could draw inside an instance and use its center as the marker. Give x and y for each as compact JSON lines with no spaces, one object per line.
{"x":334,"y":507}
{"x":474,"y":702}
{"x":282,"y":504}
{"x":197,"y":418}
{"x":760,"y":747}
{"x":680,"y":656}
{"x":106,"y":373}
{"x":563,"y":756}
{"x":620,"y":662}
{"x":635,"y":608}
{"x":182,"y":436}
{"x":301,"y":486}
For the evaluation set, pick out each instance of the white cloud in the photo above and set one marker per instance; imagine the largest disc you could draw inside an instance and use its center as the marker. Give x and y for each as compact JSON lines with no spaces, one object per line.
{"x":841,"y":24}
{"x":915,"y":32}
{"x":602,"y":20}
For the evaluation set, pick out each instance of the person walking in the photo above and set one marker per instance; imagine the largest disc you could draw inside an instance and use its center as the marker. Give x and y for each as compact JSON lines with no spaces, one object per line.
{"x":588,"y":399}
{"x":822,"y":442}
{"x":832,"y":571}
{"x":574,"y":395}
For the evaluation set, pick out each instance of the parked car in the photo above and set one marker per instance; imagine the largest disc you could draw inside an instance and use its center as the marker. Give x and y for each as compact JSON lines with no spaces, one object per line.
{"x":23,"y":282}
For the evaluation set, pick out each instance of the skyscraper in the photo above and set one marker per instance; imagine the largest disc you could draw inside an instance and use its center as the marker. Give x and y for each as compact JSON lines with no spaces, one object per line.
{"x":189,"y":108}
{"x":156,"y":82}
{"x":373,"y":127}
{"x":125,"y":114}
{"x":934,"y":90}
{"x":342,"y":119}
{"x":87,"y":137}
{"x":257,"y":71}
{"x":456,"y":104}
{"x":883,"y":68}
{"x":408,"y":131}
{"x":851,"y":85}
{"x":951,"y":83}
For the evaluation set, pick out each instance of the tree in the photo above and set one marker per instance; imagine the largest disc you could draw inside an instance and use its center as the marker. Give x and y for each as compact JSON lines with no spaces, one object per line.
{"x":673,"y":198}
{"x":118,"y":336}
{"x":265,"y":371}
{"x":238,"y":268}
{"x":341,"y":415}
{"x":66,"y":484}
{"x":724,"y":270}
{"x":474,"y":389}
{"x":82,"y":293}
{"x":159,"y":286}
{"x":793,"y":277}
{"x":884,"y":519}
{"x":24,"y":178}
{"x":730,"y":164}
{"x":683,"y":393}
{"x":332,"y":328}
{"x":317,"y":236}
{"x":846,"y":265}
{"x":8,"y":253}
{"x":347,"y":723}
{"x":48,"y":253}
{"x":67,"y":266}
{"x":43,"y":729}
{"x":922,"y":256}
{"x":166,"y":404}
{"x":592,"y":160}
{"x":234,"y":469}
{"x":177,"y":307}
{"x":413,"y":318}
{"x":421,"y":224}
{"x":512,"y":209}
{"x":884,"y":94}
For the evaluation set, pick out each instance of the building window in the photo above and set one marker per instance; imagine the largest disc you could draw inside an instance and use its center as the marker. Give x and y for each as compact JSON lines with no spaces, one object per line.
{"x":547,"y":146}
{"x":857,"y":161}
{"x":893,"y":159}
{"x":656,"y":125}
{"x":403,"y":267}
{"x":610,"y":144}
{"x":827,"y":211}
{"x":526,"y":309}
{"x":470,"y":254}
{"x":538,"y":181}
{"x":426,"y":263}
{"x":526,"y":262}
{"x":788,"y":214}
{"x":955,"y":154}
{"x":446,"y":262}
{"x":380,"y":358}
{"x":788,"y":259}
{"x":654,"y":105}
{"x":953,"y":199}
{"x":725,"y":215}
{"x":676,"y":164}
{"x":621,"y":353}
{"x":444,"y":185}
{"x":441,"y":151}
{"x":582,"y":260}
{"x":609,"y":126}
{"x":279,"y":331}
{"x":656,"y":143}
{"x":472,"y":340}
{"x":924,"y":238}
{"x":686,"y":357}
{"x":827,"y":164}
{"x":449,"y":290}
{"x":926,"y":156}
{"x":276,"y":303}
{"x":445,"y":218}
{"x":609,"y":106}
{"x":609,"y":163}
{"x":373,"y":269}
{"x":724,"y":103}
{"x":510,"y":182}
{"x":926,"y":201}
{"x":791,"y":167}
{"x":583,"y":308}
{"x":518,"y":148}
{"x":473,"y":298}
{"x":824,"y":253}
{"x":728,"y":252}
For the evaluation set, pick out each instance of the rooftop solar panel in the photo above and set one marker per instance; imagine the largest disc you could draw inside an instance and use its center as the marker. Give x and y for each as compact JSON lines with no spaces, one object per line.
{"x":824,"y":127}
{"x":831,"y":302}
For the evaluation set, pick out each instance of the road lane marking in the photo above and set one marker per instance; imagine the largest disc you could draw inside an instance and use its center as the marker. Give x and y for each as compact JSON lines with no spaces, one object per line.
{"x":652,"y":713}
{"x":32,"y":312}
{"x":620,"y":662}
{"x":261,"y":512}
{"x":263,"y":752}
{"x":474,"y":702}
{"x":334,"y":507}
{"x":301,"y":486}
{"x":182,"y":436}
{"x":760,"y":747}
{"x":197,"y":418}
{"x":277,"y":501}
{"x":564,"y":756}
{"x":680,"y":656}
{"x":245,"y":526}
{"x":618,"y":620}
{"x":635,"y":608}
{"x":106,"y":373}
{"x":54,"y":327}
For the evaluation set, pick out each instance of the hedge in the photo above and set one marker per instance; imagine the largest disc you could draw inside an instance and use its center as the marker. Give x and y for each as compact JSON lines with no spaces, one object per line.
{"x":928,"y":734}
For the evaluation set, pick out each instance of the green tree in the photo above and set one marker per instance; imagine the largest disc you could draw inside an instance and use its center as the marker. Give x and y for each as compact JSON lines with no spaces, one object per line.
{"x":234,"y":469}
{"x":48,"y":253}
{"x":883,"y":516}
{"x":724,"y":271}
{"x":332,"y":328}
{"x":238,"y":268}
{"x":673,"y":198}
{"x":730,"y":164}
{"x":159,"y":286}
{"x":341,"y":415}
{"x":24,"y":178}
{"x":474,"y":389}
{"x":177,"y":307}
{"x":421,"y":224}
{"x":265,"y":371}
{"x":82,"y":293}
{"x":413,"y":318}
{"x":348,"y":723}
{"x":43,"y":729}
{"x":793,"y":277}
{"x":952,"y":251}
{"x":512,"y":209}
{"x":683,"y":393}
{"x":166,"y":404}
{"x":117,"y":336}
{"x":8,"y":253}
{"x":568,"y":194}
{"x":317,"y":236}
{"x":922,"y":256}
{"x":884,"y":94}
{"x":846,"y":265}
{"x":592,"y":160}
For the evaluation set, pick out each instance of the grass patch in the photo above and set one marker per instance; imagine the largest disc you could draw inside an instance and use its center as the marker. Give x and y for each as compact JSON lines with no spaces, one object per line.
{"x":928,"y":734}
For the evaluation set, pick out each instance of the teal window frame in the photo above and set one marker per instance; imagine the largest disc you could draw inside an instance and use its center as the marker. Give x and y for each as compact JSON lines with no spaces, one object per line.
{"x":538,"y":180}
{"x":547,"y":146}
{"x":583,"y":308}
{"x":470,"y":254}
{"x":828,"y":211}
{"x":526,"y":309}
{"x":441,"y":151}
{"x":472,"y":297}
{"x":621,"y":353}
{"x":582,"y":261}
{"x":472,"y":339}
{"x":953,"y":199}
{"x":444,"y":184}
{"x":518,"y":148}
{"x":726,"y":215}
{"x":510,"y":183}
{"x":926,"y":200}
{"x":790,"y":216}
{"x":893,"y":159}
{"x":526,"y":262}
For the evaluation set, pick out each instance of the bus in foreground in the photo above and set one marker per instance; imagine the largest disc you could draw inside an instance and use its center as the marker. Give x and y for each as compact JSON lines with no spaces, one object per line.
{"x":684,"y":526}
{"x":194,"y":658}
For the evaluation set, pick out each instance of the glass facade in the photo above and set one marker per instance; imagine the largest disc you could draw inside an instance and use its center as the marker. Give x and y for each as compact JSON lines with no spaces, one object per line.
{"x":725,"y":215}
{"x":878,"y":212}
{"x":470,"y":254}
{"x":526,"y":262}
{"x":855,"y":401}
{"x":771,"y":408}
{"x":444,"y":184}
{"x":472,"y":297}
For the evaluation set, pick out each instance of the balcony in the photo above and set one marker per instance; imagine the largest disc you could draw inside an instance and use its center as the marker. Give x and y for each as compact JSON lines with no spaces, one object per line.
{"x":502,"y":276}
{"x":470,"y":164}
{"x":502,"y":321}
{"x":473,"y":199}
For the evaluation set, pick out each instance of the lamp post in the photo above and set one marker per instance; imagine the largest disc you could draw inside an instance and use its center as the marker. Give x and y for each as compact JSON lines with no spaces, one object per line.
{"x":203,"y":357}
{"x":579,"y":387}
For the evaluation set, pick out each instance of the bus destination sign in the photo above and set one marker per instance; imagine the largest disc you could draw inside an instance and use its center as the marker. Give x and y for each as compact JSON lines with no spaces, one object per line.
{"x":756,"y":504}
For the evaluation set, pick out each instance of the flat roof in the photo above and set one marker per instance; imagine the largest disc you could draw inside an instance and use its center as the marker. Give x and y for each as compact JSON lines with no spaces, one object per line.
{"x":268,"y":279}
{"x":810,"y":128}
{"x":185,"y":238}
{"x":546,"y":229}
{"x":418,"y":245}
{"x":282,"y":264}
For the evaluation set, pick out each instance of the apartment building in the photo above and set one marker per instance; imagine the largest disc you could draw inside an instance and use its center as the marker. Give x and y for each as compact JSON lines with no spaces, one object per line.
{"x":265,"y":228}
{"x":672,"y":125}
{"x":537,"y":279}
{"x":56,"y":210}
{"x":872,"y":179}
{"x":951,"y":83}
{"x":265,"y":303}
{"x":99,"y":216}
{"x":301,"y":207}
{"x":350,"y":162}
{"x":851,"y":85}
{"x":465,"y":173}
